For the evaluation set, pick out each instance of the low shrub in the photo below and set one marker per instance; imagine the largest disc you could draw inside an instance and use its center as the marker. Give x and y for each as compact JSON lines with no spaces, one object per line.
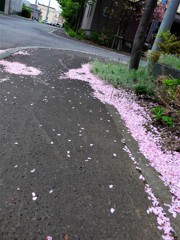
{"x":163,"y":91}
{"x":159,"y":114}
{"x":94,"y":36}
{"x":153,"y":56}
{"x":105,"y":40}
{"x":169,"y":44}
{"x":168,"y":52}
{"x":170,"y":60}
{"x":72,"y":33}
{"x":143,"y":90}
{"x":171,"y":87}
{"x":26,"y":11}
{"x":168,"y":121}
{"x":118,"y":74}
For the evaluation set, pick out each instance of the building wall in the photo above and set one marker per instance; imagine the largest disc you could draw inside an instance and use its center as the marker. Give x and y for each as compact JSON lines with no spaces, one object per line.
{"x":35,"y":12}
{"x":88,"y":16}
{"x":52,"y":16}
{"x":99,"y":18}
{"x":27,"y":3}
{"x":15,"y":6}
{"x":103,"y":20}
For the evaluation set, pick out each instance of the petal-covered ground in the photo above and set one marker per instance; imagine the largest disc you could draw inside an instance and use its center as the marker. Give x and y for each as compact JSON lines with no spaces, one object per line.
{"x":135,"y":117}
{"x":19,"y":68}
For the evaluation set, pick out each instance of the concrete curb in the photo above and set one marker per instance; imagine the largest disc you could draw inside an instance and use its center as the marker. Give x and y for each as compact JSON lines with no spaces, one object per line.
{"x":11,"y":51}
{"x":161,"y":192}
{"x":119,"y":57}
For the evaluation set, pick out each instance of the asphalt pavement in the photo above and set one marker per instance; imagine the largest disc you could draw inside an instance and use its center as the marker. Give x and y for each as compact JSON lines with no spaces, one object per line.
{"x":21,"y":32}
{"x":63,"y":168}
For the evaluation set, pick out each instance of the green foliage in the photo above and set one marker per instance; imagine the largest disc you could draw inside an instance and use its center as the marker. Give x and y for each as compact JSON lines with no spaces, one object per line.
{"x":26,"y":11}
{"x":171,"y":60}
{"x":170,"y":43}
{"x":82,"y":33}
{"x":168,"y":121}
{"x":143,"y":90}
{"x":153,"y":56}
{"x":169,"y":50}
{"x":66,"y":26}
{"x":170,"y":87}
{"x":94,"y":36}
{"x":99,"y":38}
{"x":105,"y":40}
{"x":78,"y":35}
{"x":71,"y":33}
{"x":102,"y":38}
{"x":159,"y":114}
{"x":71,"y":10}
{"x":172,"y":83}
{"x":119,"y":75}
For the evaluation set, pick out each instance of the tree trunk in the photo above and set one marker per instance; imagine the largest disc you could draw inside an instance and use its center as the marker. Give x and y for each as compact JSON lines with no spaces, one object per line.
{"x":79,"y":19}
{"x":141,"y":33}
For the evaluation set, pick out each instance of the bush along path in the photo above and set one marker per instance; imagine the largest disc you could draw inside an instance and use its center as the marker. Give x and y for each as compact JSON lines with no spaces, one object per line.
{"x":167,"y":163}
{"x":160,"y":96}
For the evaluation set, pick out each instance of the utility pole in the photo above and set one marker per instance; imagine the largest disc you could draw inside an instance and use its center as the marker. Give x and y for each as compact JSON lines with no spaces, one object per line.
{"x":167,"y":21}
{"x":35,"y":8}
{"x":48,"y":10}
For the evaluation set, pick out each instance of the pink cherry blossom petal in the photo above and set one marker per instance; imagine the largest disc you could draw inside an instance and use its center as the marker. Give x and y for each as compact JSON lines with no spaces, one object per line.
{"x":19,"y":68}
{"x":136,"y":117}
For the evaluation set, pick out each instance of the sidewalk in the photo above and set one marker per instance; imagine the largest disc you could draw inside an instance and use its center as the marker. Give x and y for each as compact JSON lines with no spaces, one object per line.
{"x":61,"y":33}
{"x":68,"y":163}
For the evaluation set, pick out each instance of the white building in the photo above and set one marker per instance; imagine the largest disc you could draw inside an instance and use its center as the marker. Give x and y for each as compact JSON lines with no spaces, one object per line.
{"x":53,"y":14}
{"x":15,"y":6}
{"x":11,"y":6}
{"x":27,"y":3}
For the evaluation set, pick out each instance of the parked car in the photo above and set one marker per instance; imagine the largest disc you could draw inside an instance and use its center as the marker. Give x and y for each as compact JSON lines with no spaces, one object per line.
{"x":45,"y":21}
{"x":59,"y":25}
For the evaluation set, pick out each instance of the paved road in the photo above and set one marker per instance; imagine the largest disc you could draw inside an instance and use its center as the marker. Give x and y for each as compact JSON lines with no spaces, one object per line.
{"x":18,"y":32}
{"x":58,"y":172}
